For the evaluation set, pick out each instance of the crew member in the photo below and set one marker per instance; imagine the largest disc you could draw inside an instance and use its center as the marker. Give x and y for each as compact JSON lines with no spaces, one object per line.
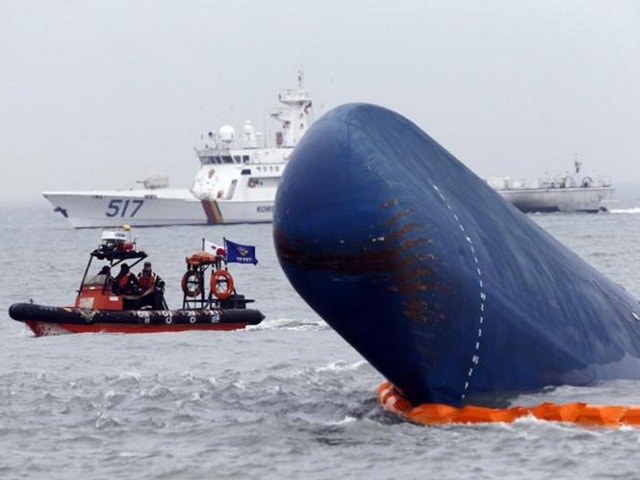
{"x":103,"y":277}
{"x":126,"y":282}
{"x":152,"y":288}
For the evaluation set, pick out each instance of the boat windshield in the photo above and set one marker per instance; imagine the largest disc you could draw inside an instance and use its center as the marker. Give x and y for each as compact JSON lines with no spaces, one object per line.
{"x":98,"y":280}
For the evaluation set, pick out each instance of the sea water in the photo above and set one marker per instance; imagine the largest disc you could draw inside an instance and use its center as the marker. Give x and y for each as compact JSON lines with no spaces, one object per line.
{"x":286,"y":399}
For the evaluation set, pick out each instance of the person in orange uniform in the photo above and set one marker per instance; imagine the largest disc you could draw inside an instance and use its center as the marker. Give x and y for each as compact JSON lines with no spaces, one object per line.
{"x":126,"y":282}
{"x":152,"y":288}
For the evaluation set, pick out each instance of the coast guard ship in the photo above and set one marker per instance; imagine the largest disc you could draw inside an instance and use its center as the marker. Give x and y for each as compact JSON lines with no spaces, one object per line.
{"x":236,"y":182}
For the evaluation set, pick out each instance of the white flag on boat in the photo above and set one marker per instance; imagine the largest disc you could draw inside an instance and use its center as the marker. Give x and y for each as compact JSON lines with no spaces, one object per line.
{"x":212,"y":248}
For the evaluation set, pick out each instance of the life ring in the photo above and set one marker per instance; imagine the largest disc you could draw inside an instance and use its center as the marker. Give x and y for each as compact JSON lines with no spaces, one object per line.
{"x":221,"y":276}
{"x":192,"y":283}
{"x":252,"y":182}
{"x":586,"y":182}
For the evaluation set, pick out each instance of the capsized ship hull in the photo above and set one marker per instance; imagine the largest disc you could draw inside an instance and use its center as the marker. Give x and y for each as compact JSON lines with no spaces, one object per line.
{"x":444,"y":287}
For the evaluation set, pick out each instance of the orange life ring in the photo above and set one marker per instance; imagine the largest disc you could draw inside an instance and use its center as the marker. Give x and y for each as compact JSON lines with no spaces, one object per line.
{"x":192,"y":283}
{"x":221,"y":276}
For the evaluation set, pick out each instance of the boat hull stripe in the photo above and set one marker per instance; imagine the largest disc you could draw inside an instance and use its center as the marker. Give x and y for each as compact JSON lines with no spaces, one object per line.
{"x":212,"y":212}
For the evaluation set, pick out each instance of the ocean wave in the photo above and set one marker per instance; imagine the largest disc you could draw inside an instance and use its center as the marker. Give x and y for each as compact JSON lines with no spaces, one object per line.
{"x":632,"y":210}
{"x":342,"y":366}
{"x":290,"y":324}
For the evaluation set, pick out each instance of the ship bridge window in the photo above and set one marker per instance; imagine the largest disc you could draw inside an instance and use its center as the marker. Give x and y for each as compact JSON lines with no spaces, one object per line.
{"x":237,"y":158}
{"x":227,"y":159}
{"x":207,"y":160}
{"x":245,"y":171}
{"x":245,"y":159}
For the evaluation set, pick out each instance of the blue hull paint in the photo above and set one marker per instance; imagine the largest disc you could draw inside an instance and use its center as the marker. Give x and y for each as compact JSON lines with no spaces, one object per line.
{"x":445,"y":288}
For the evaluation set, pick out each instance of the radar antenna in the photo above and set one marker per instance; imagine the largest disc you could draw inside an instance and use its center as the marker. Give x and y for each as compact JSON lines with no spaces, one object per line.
{"x":300,"y":78}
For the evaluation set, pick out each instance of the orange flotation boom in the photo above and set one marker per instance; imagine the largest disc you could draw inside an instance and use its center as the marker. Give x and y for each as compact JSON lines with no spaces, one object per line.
{"x":578,"y":413}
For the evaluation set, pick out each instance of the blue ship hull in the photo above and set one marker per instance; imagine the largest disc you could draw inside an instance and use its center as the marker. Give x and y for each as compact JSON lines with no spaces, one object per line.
{"x":445,"y":288}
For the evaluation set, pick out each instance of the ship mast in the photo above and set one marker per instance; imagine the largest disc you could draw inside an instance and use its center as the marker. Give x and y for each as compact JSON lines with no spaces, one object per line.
{"x":296,"y":117}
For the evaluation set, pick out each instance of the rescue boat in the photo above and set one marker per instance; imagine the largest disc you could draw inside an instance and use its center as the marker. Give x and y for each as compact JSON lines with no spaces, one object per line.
{"x":100,"y":308}
{"x":449,"y":291}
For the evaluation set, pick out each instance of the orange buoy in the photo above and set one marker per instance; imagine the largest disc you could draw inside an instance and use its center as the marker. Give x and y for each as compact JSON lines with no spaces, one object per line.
{"x":221,"y":277}
{"x":579,"y":413}
{"x":192,"y":283}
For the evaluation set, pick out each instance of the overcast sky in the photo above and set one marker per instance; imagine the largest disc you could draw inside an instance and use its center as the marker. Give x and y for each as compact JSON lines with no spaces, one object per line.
{"x":100,"y":94}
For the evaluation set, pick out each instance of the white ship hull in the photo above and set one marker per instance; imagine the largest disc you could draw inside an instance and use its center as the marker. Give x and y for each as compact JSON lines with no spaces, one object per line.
{"x":162,"y":207}
{"x":570,"y":192}
{"x":557,"y":199}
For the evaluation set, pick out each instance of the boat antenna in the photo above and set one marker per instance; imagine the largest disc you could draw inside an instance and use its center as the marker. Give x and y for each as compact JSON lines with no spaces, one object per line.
{"x":300,"y":78}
